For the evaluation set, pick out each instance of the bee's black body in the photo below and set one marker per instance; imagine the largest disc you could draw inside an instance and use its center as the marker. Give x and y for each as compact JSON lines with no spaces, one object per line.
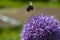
{"x":29,"y":8}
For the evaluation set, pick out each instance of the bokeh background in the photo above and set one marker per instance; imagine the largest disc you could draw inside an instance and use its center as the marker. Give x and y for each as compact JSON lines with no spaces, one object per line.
{"x":13,"y":14}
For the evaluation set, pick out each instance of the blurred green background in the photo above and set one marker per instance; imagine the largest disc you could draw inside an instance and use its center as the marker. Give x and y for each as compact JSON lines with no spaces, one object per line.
{"x":37,"y":3}
{"x":12,"y":32}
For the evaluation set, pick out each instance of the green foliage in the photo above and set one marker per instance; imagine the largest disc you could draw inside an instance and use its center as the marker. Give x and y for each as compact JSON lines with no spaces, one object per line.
{"x":29,"y":0}
{"x":23,"y":3}
{"x":2,"y":6}
{"x":59,"y":1}
{"x":6,"y":35}
{"x":10,"y":33}
{"x":1,"y":30}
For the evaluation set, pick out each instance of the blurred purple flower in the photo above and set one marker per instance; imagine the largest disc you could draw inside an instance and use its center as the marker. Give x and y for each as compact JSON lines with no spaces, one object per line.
{"x":41,"y":27}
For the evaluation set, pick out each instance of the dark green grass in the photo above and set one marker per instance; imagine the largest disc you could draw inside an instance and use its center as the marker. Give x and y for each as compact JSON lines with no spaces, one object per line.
{"x":10,"y":33}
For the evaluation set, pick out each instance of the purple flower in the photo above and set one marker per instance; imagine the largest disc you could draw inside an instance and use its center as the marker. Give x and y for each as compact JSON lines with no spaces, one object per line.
{"x":41,"y":27}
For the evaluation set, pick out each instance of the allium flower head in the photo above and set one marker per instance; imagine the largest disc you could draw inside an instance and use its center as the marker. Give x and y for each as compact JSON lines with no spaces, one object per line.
{"x":41,"y":27}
